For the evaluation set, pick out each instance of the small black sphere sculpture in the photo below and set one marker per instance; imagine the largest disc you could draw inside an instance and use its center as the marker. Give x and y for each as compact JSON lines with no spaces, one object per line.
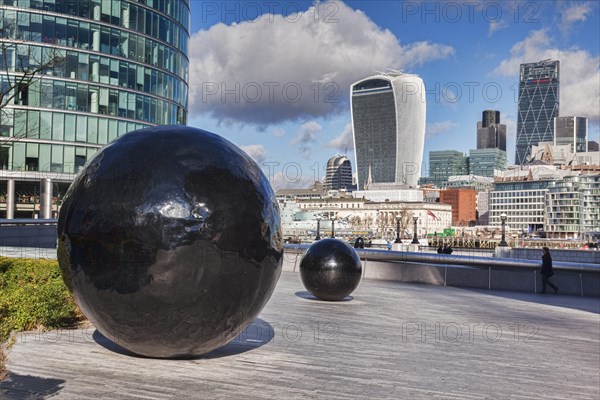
{"x":170,"y":241}
{"x":330,"y":269}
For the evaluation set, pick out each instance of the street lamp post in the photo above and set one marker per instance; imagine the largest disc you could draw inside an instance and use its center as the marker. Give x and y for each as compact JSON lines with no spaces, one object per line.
{"x":398,"y":229}
{"x":318,"y":228}
{"x":415,"y":239}
{"x":503,"y":241}
{"x":333,"y":227}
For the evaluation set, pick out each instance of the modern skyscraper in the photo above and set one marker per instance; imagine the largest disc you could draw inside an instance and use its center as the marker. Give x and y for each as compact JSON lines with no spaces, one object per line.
{"x":388,"y":121}
{"x":490,"y":117}
{"x":117,"y":66}
{"x":538,"y":105}
{"x":444,"y":164}
{"x":483,"y":162}
{"x":339,"y":173}
{"x":491,"y":134}
{"x":571,"y":131}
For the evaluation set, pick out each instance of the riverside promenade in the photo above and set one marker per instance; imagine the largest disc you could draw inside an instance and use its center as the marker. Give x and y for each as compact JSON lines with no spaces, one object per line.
{"x":391,"y":341}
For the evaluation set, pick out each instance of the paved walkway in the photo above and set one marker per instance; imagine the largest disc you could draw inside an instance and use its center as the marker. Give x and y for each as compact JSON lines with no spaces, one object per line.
{"x":392,"y":341}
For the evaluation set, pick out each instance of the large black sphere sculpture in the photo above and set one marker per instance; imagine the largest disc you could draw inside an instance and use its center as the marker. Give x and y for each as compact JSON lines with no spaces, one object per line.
{"x":330,"y":269}
{"x":170,"y":241}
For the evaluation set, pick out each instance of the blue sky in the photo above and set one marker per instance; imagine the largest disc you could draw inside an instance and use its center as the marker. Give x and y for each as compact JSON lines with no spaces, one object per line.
{"x":274,"y":77}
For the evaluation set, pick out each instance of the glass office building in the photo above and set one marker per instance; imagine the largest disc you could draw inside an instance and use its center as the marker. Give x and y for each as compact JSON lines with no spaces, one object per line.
{"x":572,"y":131}
{"x":538,"y":105}
{"x":491,"y":134}
{"x":523,"y":202}
{"x":388,"y":122}
{"x":485,"y":162}
{"x":443,"y":164}
{"x":105,"y":68}
{"x":339,"y":173}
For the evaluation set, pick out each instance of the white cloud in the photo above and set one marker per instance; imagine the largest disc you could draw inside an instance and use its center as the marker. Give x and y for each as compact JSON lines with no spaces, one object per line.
{"x":579,"y":72}
{"x":291,"y":179}
{"x":496,"y":26}
{"x":256,"y":152}
{"x":574,"y":13}
{"x":511,"y":127}
{"x":344,"y":141}
{"x":436,"y":128}
{"x":279,"y":68}
{"x":306,"y":136}
{"x":278,"y":132}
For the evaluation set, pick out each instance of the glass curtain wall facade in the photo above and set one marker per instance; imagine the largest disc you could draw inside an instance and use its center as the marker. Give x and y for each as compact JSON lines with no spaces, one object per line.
{"x":444,"y":164}
{"x":374,"y":113}
{"x":573,"y":207}
{"x":571,"y":131}
{"x":484,"y":162}
{"x":491,"y":134}
{"x":523,"y":202}
{"x":388,"y":123}
{"x":106,"y":68}
{"x":339,"y":173}
{"x":538,"y":105}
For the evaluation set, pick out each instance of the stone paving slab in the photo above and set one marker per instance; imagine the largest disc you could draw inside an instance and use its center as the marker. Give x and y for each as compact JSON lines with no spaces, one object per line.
{"x":391,"y":341}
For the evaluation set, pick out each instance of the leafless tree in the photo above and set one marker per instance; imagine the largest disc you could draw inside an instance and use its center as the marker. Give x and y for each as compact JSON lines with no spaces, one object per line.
{"x":22,"y":65}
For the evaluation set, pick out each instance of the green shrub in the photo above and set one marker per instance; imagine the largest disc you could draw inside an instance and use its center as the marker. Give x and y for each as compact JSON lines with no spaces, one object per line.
{"x":33,"y":296}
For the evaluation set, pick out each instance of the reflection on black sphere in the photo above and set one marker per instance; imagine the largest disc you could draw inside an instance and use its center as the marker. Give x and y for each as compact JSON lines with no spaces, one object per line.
{"x":170,"y":241}
{"x":330,"y":269}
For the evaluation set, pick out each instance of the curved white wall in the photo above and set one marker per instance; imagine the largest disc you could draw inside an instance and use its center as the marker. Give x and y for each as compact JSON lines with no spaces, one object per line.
{"x":409,"y":94}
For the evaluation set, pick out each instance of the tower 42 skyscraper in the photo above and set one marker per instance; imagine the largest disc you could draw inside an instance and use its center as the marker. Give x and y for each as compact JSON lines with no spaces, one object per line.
{"x":538,"y":105}
{"x":388,"y":121}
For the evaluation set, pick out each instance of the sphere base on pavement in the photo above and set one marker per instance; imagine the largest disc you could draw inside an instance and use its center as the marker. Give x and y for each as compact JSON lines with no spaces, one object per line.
{"x":330,"y":269}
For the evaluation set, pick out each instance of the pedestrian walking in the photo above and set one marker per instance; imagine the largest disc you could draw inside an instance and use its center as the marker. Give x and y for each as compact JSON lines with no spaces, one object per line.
{"x":547,"y":271}
{"x":447,"y":249}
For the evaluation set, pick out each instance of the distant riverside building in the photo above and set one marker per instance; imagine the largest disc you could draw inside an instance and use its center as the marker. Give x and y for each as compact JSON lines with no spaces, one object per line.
{"x":339,"y":173}
{"x":573,"y":207}
{"x":389,"y":192}
{"x":522,"y":201}
{"x":491,"y":134}
{"x":444,"y":164}
{"x":523,"y":195}
{"x":593,"y":145}
{"x":477,"y":182}
{"x":359,"y":214}
{"x":483,"y":208}
{"x":484,"y":162}
{"x":464,"y":205}
{"x":572,"y":131}
{"x":538,"y":104}
{"x":388,"y":121}
{"x":118,"y":66}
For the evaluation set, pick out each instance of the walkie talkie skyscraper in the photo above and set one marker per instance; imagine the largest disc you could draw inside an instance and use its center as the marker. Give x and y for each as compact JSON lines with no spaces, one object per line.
{"x":388,"y":122}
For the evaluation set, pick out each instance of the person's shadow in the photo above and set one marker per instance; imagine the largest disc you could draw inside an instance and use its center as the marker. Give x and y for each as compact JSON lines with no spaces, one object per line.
{"x":256,"y":335}
{"x":29,"y":387}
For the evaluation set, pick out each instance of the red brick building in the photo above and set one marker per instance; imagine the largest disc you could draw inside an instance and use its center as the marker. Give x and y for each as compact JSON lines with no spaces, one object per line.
{"x":463,"y":202}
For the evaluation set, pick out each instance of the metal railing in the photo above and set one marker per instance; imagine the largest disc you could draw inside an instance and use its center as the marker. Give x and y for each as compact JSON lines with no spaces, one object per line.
{"x":458,"y":260}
